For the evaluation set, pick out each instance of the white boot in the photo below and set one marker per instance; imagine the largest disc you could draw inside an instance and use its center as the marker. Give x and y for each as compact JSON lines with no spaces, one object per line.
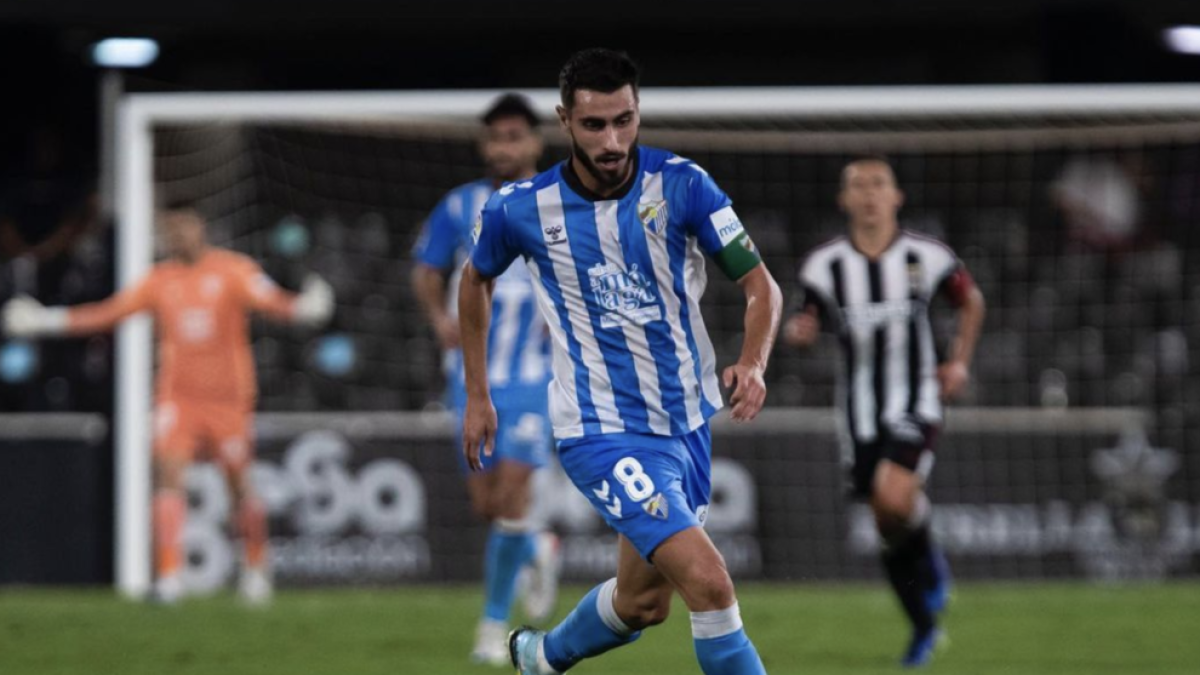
{"x":167,"y":590}
{"x":491,"y":643}
{"x":255,"y":586}
{"x":541,"y":583}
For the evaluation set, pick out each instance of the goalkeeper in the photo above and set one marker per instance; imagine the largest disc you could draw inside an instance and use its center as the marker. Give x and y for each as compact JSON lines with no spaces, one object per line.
{"x":200,"y":299}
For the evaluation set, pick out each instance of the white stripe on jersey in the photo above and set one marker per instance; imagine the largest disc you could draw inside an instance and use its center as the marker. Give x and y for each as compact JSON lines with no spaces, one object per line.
{"x":652,"y":192}
{"x":550,"y":215}
{"x":695,"y":280}
{"x":929,"y":405}
{"x":565,"y":416}
{"x":609,"y":230}
{"x":857,"y":284}
{"x":893,"y":272}
{"x":507,"y":324}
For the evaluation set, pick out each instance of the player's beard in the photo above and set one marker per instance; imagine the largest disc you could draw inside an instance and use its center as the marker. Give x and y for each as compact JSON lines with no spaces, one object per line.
{"x":611,"y":180}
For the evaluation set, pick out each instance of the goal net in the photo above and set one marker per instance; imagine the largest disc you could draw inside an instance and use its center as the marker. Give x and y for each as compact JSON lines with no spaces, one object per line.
{"x":1072,"y":207}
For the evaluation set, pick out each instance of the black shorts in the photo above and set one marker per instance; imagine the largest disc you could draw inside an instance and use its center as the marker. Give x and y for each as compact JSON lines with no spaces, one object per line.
{"x":907,"y":452}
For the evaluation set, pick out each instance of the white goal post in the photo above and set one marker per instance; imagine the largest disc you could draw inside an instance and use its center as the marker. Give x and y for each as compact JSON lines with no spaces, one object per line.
{"x":139,"y":114}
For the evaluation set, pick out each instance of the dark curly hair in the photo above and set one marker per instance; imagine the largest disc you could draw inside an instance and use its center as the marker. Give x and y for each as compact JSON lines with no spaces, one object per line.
{"x":602,"y":70}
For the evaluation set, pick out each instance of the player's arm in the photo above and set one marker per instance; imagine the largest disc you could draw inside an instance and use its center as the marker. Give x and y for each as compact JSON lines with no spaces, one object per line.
{"x":474,"y":320}
{"x":27,"y":318}
{"x":312,"y":307}
{"x":429,"y":285}
{"x":434,"y":254}
{"x":764,"y":305}
{"x":955,"y":371}
{"x":494,"y":251}
{"x":711,"y":219}
{"x":803,"y":325}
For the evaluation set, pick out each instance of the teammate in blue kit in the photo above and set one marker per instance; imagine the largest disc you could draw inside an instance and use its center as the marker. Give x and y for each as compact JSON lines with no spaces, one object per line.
{"x":518,"y":371}
{"x":615,"y":239}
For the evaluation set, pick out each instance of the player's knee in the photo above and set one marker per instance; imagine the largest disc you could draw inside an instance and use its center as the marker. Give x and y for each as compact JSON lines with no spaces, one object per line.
{"x":892,"y":505}
{"x":644,"y":610}
{"x":713,"y":591}
{"x":482,"y":508}
{"x":707,"y":586}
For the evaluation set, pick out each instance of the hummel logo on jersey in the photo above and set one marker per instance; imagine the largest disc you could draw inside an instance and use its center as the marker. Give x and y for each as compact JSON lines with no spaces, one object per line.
{"x":654,"y":216}
{"x":602,"y":494}
{"x":656,"y":506}
{"x":554,"y":234}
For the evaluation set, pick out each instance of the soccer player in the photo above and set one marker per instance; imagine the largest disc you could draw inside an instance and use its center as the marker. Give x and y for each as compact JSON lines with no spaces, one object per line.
{"x":614,"y":238}
{"x":518,"y":371}
{"x":205,"y":390}
{"x":873,"y":288}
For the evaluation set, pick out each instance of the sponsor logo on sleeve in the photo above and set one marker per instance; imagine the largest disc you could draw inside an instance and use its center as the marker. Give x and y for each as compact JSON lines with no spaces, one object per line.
{"x":727,"y":225}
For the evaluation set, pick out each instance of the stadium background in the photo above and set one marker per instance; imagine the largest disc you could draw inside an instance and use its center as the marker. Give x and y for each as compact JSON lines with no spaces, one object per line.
{"x":1068,"y":326}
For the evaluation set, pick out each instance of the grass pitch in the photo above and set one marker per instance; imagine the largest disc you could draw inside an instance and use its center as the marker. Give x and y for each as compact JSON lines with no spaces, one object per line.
{"x":1025,"y":629}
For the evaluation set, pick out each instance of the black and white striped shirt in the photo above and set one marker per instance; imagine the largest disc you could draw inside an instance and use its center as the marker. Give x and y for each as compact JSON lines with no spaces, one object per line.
{"x":879,"y":310}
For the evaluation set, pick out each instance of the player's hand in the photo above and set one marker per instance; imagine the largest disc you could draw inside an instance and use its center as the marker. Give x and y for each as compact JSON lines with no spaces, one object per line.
{"x":24,"y":317}
{"x":953,"y":377}
{"x":801,"y":330}
{"x":749,"y":391}
{"x":479,"y":430}
{"x":446,"y":328}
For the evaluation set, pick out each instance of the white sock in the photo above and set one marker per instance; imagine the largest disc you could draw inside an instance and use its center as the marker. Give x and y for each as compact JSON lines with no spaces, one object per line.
{"x":715,"y":624}
{"x":608,"y":611}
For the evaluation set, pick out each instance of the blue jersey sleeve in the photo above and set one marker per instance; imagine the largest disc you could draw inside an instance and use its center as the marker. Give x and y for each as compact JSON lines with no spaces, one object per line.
{"x":439,"y":241}
{"x":494,"y":249}
{"x":711,"y":219}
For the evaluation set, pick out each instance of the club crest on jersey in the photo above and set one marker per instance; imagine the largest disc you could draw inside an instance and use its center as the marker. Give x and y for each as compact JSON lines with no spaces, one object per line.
{"x":654,"y":216}
{"x":625,"y":295}
{"x":477,"y":229}
{"x":656,"y":506}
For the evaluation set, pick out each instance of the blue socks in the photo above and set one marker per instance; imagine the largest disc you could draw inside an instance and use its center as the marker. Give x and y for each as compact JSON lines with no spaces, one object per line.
{"x":722,"y":647}
{"x":592,"y":628}
{"x":507,"y":551}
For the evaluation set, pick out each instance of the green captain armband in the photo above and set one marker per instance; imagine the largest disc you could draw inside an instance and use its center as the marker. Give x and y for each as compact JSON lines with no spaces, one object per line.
{"x":738,"y":257}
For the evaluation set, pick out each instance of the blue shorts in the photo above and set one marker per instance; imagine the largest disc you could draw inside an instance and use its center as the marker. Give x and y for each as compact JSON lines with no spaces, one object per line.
{"x":523,"y":435}
{"x":645,"y":487}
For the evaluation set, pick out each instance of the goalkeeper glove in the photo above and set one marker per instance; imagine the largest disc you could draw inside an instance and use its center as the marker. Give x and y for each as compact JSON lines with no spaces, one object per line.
{"x":24,"y":317}
{"x":314,"y":304}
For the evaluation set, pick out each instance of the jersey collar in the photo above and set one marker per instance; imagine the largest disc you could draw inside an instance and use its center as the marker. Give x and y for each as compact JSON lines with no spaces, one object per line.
{"x":577,"y":186}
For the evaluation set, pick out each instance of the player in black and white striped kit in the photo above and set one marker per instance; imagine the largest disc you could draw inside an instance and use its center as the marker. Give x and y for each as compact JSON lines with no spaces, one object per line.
{"x":873,"y":288}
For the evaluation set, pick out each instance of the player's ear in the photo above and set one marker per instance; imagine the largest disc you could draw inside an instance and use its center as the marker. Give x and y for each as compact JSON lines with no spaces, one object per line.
{"x":899,"y":198}
{"x":563,"y":116}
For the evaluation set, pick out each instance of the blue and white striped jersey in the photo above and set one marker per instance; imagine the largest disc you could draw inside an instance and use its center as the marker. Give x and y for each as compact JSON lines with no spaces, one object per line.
{"x":619,"y":281}
{"x":518,"y":344}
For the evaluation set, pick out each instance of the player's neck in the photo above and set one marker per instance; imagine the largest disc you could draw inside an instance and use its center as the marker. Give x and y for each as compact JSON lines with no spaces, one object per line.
{"x":192,"y":257}
{"x":873,"y":240}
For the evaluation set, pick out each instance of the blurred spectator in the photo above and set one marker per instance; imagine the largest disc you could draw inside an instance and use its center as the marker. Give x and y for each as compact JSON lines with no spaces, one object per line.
{"x":1101,"y":202}
{"x":49,"y":204}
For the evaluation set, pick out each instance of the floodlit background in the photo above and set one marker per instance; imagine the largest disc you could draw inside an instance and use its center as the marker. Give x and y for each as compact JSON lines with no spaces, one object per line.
{"x":1068,"y":480}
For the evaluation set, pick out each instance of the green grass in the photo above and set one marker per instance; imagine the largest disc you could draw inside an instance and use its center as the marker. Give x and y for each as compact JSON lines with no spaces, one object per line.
{"x":1051,"y":629}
